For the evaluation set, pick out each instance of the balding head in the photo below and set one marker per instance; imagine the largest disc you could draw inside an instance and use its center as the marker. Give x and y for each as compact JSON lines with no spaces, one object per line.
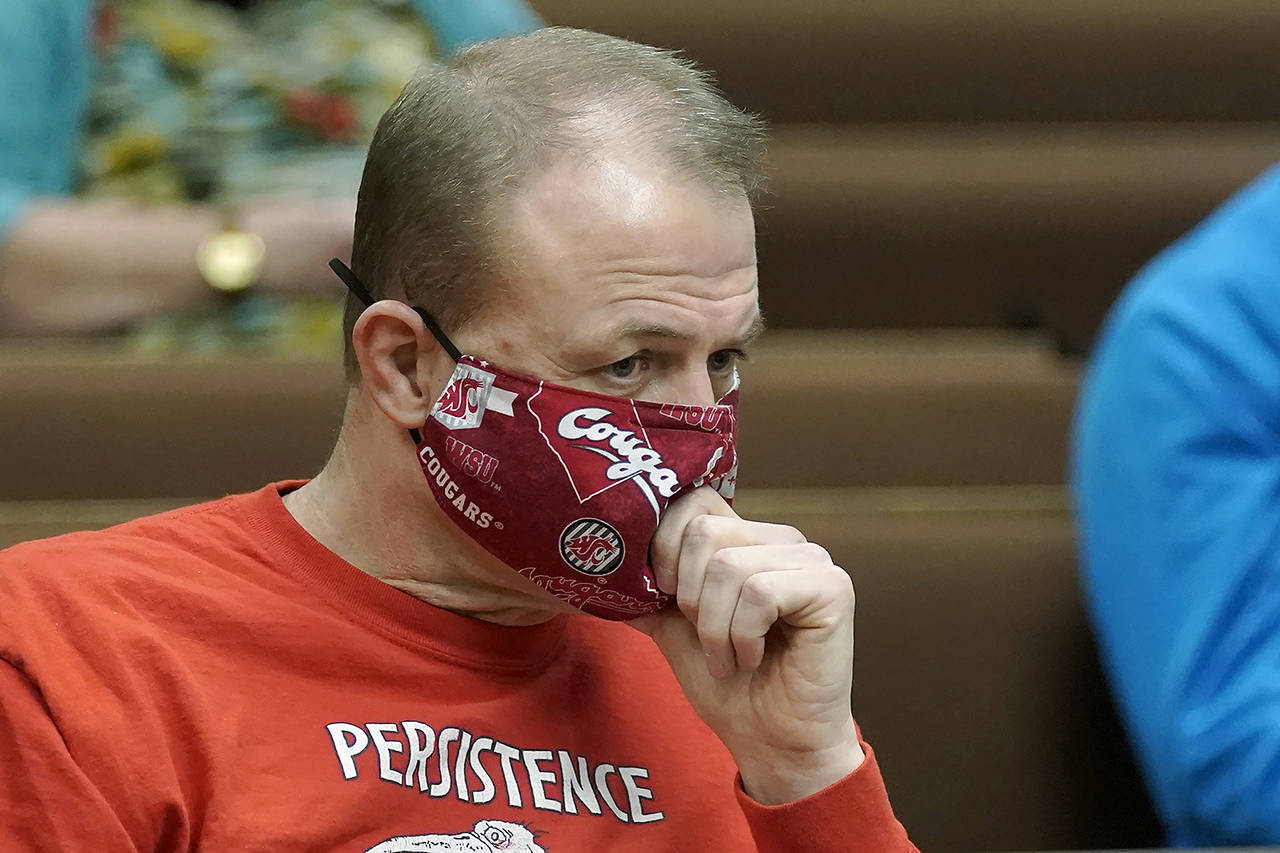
{"x":463,"y":138}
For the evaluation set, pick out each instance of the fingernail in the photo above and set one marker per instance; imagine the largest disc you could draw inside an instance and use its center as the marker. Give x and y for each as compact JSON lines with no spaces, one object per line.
{"x":666,"y":582}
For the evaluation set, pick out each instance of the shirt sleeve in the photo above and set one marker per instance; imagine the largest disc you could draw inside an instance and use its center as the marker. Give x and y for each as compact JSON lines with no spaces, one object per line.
{"x":852,"y":814}
{"x":456,"y":25}
{"x":43,"y":85}
{"x":1177,"y":479}
{"x":46,"y":801}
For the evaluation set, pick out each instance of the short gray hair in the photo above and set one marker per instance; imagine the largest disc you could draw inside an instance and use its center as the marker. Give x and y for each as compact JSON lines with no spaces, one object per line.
{"x":463,"y":135}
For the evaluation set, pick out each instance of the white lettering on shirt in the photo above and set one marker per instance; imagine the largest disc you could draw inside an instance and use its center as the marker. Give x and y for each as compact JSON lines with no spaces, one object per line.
{"x":480,"y":769}
{"x":347,"y":750}
{"x":422,"y":743}
{"x":378,"y":734}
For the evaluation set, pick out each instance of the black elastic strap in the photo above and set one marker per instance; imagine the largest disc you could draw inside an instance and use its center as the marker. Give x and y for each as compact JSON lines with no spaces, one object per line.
{"x":349,"y":279}
{"x":356,"y":287}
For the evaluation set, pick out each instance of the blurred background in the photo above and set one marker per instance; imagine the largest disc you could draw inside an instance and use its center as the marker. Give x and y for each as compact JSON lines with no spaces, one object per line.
{"x":960,"y":190}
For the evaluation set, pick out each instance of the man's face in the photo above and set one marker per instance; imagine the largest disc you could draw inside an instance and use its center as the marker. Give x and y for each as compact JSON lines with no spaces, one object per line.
{"x":626,"y":281}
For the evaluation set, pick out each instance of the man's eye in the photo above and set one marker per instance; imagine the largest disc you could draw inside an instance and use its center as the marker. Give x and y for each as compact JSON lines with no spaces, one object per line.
{"x":724,"y":360}
{"x":625,"y":368}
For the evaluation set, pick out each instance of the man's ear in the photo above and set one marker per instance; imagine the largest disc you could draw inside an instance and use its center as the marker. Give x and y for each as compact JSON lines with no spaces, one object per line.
{"x":401,"y":366}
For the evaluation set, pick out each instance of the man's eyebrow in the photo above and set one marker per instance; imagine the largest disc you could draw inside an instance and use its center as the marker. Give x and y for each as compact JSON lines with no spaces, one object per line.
{"x":755,"y":330}
{"x":651,"y":330}
{"x":657,"y":330}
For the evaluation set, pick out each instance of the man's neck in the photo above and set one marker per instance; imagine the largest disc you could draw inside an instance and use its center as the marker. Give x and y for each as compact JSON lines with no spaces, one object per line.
{"x":374,"y":510}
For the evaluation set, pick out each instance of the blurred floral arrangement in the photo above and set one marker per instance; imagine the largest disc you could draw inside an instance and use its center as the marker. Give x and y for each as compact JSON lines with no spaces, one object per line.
{"x":199,"y":101}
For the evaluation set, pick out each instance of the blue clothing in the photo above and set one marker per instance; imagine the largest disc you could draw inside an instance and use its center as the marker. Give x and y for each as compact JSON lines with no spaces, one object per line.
{"x":44,"y":75}
{"x":1176,"y":472}
{"x":458,"y":23}
{"x":45,"y":56}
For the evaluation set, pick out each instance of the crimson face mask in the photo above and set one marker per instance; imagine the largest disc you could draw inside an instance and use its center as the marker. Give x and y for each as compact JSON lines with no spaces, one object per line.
{"x":566,"y":486}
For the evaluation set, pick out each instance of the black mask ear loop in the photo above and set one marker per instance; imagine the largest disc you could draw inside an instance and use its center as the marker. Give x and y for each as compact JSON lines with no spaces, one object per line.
{"x":358,"y":289}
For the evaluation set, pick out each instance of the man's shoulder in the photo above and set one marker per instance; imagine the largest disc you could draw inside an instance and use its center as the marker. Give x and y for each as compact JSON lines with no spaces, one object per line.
{"x":159,"y":529}
{"x":145,"y":548}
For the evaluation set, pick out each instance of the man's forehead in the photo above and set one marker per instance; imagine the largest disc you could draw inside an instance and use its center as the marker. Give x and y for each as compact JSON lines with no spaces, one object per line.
{"x":608,"y":207}
{"x":622,"y":250}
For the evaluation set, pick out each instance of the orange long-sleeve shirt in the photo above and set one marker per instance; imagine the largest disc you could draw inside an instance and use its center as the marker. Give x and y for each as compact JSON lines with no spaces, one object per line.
{"x":215,"y":679}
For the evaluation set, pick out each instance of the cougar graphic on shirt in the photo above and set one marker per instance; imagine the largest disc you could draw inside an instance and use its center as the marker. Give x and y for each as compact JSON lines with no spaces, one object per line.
{"x":487,"y":836}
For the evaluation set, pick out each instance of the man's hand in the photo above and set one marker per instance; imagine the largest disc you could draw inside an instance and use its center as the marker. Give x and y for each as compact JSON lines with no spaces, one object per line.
{"x":762,"y":644}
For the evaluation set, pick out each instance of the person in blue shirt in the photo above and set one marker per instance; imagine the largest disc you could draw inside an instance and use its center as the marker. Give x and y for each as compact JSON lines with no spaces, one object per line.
{"x":129,"y":128}
{"x":1176,"y":473}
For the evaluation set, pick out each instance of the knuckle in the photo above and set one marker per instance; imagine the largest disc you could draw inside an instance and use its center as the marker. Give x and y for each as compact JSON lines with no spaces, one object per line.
{"x":756,"y":590}
{"x":700,"y":528}
{"x":817,"y":553}
{"x":688,"y":603}
{"x":843,"y":583}
{"x":746,"y":642}
{"x":843,"y":578}
{"x":790,"y":534}
{"x":712,"y":640}
{"x":723,"y":565}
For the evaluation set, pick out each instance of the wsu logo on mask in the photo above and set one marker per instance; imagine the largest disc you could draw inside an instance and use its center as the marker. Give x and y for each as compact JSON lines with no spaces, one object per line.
{"x":474,"y":463}
{"x":462,"y":403}
{"x":592,"y":547}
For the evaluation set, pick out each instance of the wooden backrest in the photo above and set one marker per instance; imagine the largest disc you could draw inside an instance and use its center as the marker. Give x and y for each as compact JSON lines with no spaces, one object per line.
{"x":879,"y":61}
{"x":827,"y":409}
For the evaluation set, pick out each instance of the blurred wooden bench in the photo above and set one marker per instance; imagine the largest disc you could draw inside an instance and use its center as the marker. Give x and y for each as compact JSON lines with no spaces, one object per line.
{"x":881,"y":61}
{"x":818,"y":409}
{"x":985,"y":226}
{"x":976,"y":679}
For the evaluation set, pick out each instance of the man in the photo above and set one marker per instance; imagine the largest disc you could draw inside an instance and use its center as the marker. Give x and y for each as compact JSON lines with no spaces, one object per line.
{"x":1177,"y":458}
{"x":390,"y":656}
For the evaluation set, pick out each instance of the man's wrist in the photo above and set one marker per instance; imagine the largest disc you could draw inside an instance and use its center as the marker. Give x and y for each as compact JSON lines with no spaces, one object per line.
{"x":775,"y":782}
